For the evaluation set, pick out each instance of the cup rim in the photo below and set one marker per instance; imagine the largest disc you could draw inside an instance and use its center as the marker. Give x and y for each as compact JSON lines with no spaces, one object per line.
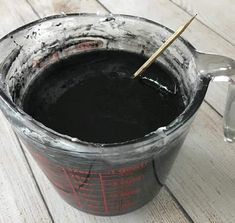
{"x":153,"y":136}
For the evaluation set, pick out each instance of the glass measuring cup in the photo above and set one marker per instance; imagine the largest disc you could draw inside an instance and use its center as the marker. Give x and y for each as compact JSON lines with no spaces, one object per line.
{"x":108,"y":179}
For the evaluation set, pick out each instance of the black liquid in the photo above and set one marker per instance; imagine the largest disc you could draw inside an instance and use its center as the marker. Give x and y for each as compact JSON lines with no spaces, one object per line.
{"x":92,"y":96}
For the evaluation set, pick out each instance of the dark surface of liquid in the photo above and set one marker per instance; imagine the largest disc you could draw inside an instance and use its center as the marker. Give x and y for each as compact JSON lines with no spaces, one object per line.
{"x":92,"y":96}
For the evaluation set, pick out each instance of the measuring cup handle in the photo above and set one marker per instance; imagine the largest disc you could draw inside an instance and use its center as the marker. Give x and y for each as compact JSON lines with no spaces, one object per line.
{"x":220,"y":68}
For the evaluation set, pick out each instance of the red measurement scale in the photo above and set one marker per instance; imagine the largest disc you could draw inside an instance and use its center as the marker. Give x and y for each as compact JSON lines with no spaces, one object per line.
{"x":101,"y":190}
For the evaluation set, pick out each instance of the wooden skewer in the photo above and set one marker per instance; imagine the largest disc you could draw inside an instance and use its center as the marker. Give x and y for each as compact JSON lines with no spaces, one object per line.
{"x":171,"y":39}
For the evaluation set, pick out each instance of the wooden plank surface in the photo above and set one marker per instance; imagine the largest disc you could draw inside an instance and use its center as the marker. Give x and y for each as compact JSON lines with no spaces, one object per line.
{"x":14,"y":15}
{"x":218,"y":15}
{"x":203,"y":38}
{"x":203,"y":176}
{"x":46,"y":8}
{"x":20,"y":200}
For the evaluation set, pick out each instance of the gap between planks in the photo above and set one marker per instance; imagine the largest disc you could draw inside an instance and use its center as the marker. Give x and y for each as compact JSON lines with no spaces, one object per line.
{"x":25,"y":157}
{"x":220,"y":16}
{"x":34,"y":178}
{"x":203,"y":23}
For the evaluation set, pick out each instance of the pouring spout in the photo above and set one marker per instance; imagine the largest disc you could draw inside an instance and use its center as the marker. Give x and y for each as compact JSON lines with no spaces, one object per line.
{"x":221,"y":69}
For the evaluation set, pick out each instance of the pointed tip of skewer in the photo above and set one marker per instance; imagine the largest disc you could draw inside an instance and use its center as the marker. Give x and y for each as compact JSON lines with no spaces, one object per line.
{"x":167,"y":43}
{"x":192,"y":19}
{"x":194,"y":16}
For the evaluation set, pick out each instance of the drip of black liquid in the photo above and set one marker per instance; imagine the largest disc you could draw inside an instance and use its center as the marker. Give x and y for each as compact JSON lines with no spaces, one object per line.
{"x":92,"y":96}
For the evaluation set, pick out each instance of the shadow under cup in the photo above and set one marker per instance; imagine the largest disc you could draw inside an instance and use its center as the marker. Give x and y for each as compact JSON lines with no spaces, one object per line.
{"x":107,"y":179}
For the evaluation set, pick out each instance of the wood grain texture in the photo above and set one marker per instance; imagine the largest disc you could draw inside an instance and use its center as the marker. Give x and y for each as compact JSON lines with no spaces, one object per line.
{"x":163,"y":47}
{"x":203,"y":176}
{"x":20,"y":200}
{"x":45,"y":7}
{"x":204,"y":39}
{"x":162,"y":209}
{"x":14,"y":15}
{"x":218,"y":15}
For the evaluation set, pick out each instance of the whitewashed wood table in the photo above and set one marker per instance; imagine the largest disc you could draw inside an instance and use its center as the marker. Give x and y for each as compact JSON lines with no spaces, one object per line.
{"x":201,"y":186}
